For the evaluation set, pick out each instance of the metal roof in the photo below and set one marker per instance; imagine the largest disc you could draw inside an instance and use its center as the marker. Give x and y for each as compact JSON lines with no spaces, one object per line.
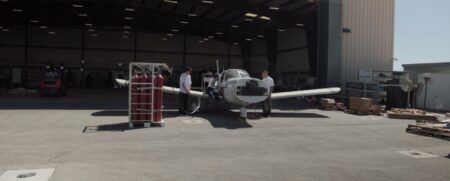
{"x":229,"y":20}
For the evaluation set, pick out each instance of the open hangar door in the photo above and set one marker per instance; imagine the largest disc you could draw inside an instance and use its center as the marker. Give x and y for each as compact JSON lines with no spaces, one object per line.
{"x":97,"y":39}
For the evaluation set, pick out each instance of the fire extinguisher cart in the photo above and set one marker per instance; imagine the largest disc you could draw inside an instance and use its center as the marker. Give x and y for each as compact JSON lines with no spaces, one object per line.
{"x":145,"y":94}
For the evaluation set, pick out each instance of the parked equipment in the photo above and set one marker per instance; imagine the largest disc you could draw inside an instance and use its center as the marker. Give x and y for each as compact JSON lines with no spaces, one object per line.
{"x":52,"y":81}
{"x":145,"y":94}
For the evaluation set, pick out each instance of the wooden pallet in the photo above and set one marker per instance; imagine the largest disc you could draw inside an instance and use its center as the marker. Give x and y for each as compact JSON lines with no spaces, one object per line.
{"x":434,"y":130}
{"x":394,"y":115}
{"x":359,"y":113}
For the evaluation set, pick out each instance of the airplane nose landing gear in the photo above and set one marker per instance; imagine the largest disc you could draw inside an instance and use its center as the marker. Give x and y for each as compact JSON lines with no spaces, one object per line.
{"x":243,"y":115}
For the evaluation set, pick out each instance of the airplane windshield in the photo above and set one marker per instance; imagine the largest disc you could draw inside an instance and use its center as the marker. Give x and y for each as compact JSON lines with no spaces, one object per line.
{"x":232,"y":74}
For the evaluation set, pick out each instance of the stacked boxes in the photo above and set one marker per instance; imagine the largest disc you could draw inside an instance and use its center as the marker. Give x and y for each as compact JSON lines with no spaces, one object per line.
{"x":361,"y":105}
{"x":328,"y":104}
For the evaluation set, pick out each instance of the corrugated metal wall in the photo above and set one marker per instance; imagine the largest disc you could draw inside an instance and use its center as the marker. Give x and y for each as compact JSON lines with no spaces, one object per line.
{"x":370,"y":44}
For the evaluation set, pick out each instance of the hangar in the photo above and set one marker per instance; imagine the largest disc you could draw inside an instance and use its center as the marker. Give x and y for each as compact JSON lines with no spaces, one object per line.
{"x":303,"y":43}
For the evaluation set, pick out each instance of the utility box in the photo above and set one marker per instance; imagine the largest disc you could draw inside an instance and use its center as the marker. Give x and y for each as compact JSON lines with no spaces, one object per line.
{"x":145,"y":94}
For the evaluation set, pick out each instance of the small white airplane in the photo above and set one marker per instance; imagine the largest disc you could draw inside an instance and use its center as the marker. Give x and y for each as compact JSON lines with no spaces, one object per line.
{"x":238,"y":88}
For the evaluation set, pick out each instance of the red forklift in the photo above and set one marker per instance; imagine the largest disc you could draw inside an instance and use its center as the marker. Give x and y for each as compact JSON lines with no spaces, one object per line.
{"x":52,"y":81}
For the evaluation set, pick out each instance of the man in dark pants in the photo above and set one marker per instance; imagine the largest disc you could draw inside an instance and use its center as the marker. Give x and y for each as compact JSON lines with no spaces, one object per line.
{"x":185,"y":88}
{"x":267,"y":104}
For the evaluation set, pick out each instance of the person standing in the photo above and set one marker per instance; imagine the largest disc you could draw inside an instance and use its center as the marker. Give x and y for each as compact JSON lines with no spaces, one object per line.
{"x":185,"y":88}
{"x":267,"y":104}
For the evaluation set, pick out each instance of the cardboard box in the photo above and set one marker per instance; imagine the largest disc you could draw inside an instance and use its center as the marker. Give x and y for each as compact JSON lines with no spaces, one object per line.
{"x":362,"y":105}
{"x":328,"y":104}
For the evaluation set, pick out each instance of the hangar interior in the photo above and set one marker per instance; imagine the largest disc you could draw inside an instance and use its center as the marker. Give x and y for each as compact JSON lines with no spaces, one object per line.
{"x":98,"y":38}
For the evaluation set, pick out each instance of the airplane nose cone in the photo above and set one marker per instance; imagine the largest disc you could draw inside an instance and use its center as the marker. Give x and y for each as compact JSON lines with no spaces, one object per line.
{"x":251,"y":90}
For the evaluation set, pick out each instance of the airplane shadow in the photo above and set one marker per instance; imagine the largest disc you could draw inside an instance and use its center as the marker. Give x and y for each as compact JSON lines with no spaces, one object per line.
{"x":218,"y":118}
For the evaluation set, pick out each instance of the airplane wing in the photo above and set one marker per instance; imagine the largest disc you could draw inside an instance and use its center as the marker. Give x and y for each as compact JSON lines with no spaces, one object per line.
{"x":173,"y":90}
{"x":312,"y":92}
{"x":166,"y":89}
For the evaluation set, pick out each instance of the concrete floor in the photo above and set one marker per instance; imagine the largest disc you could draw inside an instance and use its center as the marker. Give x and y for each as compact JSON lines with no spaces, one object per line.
{"x":91,"y":141}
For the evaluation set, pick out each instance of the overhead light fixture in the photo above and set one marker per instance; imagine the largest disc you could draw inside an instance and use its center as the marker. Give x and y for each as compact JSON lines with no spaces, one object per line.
{"x":192,"y":14}
{"x":234,"y":26}
{"x":127,"y":27}
{"x":235,"y":43}
{"x":219,"y":33}
{"x":281,"y":30}
{"x":174,"y":30}
{"x":299,"y":24}
{"x":3,"y":0}
{"x":126,"y":32}
{"x":171,"y":1}
{"x":274,"y":8}
{"x":17,"y":10}
{"x":5,"y":30}
{"x":248,"y":39}
{"x":252,"y":15}
{"x":201,"y":41}
{"x":125,"y":36}
{"x":205,"y":39}
{"x":91,"y":30}
{"x":34,"y":21}
{"x":43,"y":27}
{"x":82,"y":14}
{"x":87,"y":24}
{"x":128,"y":18}
{"x":207,"y":1}
{"x":265,"y":18}
{"x":248,"y":19}
{"x":51,"y":32}
{"x":77,"y":5}
{"x":94,"y":35}
{"x":260,"y":36}
{"x":184,"y":22}
{"x":164,"y":39}
{"x":210,"y":37}
{"x":169,"y":34}
{"x":129,"y":9}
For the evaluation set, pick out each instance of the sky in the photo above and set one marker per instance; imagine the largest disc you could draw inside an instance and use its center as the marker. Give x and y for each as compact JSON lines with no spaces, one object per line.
{"x":422,"y":32}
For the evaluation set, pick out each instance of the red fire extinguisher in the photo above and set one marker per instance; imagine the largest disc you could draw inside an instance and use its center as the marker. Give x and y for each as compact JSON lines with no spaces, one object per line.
{"x":158,"y":98}
{"x":134,"y":98}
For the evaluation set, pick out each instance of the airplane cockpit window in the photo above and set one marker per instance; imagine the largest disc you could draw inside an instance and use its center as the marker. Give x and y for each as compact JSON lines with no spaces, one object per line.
{"x":244,"y":74}
{"x":231,"y":74}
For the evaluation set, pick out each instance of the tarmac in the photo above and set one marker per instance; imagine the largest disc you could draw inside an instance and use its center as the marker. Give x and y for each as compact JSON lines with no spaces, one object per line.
{"x":87,"y":138}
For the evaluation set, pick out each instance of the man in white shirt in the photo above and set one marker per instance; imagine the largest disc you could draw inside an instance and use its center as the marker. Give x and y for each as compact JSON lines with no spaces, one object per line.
{"x":212,"y":85}
{"x":267,"y":104}
{"x":185,"y":88}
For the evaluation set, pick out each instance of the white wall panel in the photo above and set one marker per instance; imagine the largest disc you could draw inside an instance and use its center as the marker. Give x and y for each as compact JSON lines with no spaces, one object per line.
{"x":370,"y":44}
